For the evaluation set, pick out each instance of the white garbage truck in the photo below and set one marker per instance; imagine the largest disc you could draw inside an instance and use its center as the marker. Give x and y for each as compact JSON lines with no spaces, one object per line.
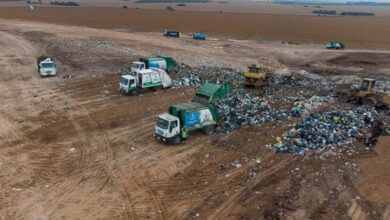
{"x":145,"y":79}
{"x":46,"y":66}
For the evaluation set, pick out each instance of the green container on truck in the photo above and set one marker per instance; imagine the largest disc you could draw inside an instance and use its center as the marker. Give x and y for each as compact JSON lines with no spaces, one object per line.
{"x":210,"y":92}
{"x":200,"y":114}
{"x":160,"y":62}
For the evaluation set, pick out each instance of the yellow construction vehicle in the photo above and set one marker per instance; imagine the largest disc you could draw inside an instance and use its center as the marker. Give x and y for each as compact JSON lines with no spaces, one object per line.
{"x":367,"y":94}
{"x":255,"y":76}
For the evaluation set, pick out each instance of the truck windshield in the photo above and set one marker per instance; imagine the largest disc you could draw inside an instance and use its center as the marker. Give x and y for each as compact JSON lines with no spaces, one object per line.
{"x":254,"y":69}
{"x":47,"y":65}
{"x":162,"y":123}
{"x":135,"y":65}
{"x":124,"y":81}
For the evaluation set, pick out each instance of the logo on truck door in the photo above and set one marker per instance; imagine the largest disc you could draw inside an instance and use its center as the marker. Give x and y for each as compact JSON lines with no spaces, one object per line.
{"x":205,"y":116}
{"x":192,"y":118}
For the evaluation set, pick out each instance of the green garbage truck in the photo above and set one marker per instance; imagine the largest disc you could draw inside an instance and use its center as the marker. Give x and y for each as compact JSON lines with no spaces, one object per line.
{"x":200,"y":114}
{"x":160,"y":62}
{"x":335,"y":45}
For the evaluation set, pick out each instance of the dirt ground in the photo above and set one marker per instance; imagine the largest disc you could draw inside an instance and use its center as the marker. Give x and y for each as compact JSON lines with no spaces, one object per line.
{"x":355,"y":32}
{"x":72,"y":147}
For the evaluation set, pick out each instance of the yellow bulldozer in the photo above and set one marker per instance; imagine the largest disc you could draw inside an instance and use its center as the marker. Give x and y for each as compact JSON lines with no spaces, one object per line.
{"x":367,"y":94}
{"x":256,"y":76}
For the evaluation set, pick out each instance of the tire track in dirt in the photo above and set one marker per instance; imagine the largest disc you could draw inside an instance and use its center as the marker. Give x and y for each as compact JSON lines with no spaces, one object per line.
{"x":221,"y":213}
{"x":63,"y":182}
{"x":108,"y":167}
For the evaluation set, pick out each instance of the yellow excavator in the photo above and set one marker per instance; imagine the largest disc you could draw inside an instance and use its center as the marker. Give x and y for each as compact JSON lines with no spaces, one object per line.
{"x":255,"y":76}
{"x":367,"y":94}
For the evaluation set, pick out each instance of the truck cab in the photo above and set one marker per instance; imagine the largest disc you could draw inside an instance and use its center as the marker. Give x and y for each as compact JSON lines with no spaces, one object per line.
{"x":199,"y":36}
{"x":255,"y":76}
{"x":47,"y":67}
{"x":128,"y":84}
{"x":167,"y":128}
{"x":137,"y":66}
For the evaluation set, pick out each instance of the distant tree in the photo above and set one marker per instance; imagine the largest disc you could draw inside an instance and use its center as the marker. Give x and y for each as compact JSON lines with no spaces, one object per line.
{"x":169,"y":8}
{"x":351,"y":13}
{"x":64,"y":3}
{"x":325,"y":12}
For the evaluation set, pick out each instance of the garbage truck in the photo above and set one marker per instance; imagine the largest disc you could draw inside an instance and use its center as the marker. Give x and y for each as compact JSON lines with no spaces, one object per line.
{"x":199,"y":114}
{"x":161,"y":62}
{"x":173,"y":127}
{"x":199,"y":36}
{"x":46,"y":66}
{"x":168,"y":33}
{"x":335,"y":45}
{"x":145,"y":79}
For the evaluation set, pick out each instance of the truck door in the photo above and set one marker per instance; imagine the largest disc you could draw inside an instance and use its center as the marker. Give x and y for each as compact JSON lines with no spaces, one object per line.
{"x":132,"y":83}
{"x":139,"y":80}
{"x":174,"y":128}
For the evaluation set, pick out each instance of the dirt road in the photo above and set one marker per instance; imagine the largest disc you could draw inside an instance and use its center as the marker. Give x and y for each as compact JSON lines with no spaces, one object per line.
{"x":74,"y":148}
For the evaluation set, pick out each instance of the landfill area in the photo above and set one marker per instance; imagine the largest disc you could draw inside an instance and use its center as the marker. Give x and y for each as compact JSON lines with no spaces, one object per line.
{"x":74,"y":147}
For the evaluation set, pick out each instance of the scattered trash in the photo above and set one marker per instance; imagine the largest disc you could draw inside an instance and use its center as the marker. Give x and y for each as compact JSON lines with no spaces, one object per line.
{"x":236,"y":165}
{"x":197,"y":76}
{"x":329,"y":129}
{"x":243,"y":108}
{"x":303,"y":107}
{"x":72,"y":149}
{"x":187,"y":80}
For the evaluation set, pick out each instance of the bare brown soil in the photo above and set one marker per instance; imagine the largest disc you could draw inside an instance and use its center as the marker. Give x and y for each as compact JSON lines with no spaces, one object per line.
{"x":356,"y":32}
{"x":376,"y":185}
{"x":236,"y":6}
{"x":74,"y":148}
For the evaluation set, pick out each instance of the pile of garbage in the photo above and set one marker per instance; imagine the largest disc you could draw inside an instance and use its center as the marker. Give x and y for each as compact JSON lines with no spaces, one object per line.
{"x":188,"y":80}
{"x":303,"y":107}
{"x":329,"y":129}
{"x":196,"y":76}
{"x":242,"y":108}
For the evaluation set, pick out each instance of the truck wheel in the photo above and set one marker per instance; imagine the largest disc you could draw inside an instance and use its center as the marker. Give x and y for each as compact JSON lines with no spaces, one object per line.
{"x":157,"y":88}
{"x":176,"y":140}
{"x":134,"y":93}
{"x":208,"y":129}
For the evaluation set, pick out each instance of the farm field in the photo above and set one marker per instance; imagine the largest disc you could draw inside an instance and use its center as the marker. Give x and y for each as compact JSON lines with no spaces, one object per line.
{"x":356,"y":32}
